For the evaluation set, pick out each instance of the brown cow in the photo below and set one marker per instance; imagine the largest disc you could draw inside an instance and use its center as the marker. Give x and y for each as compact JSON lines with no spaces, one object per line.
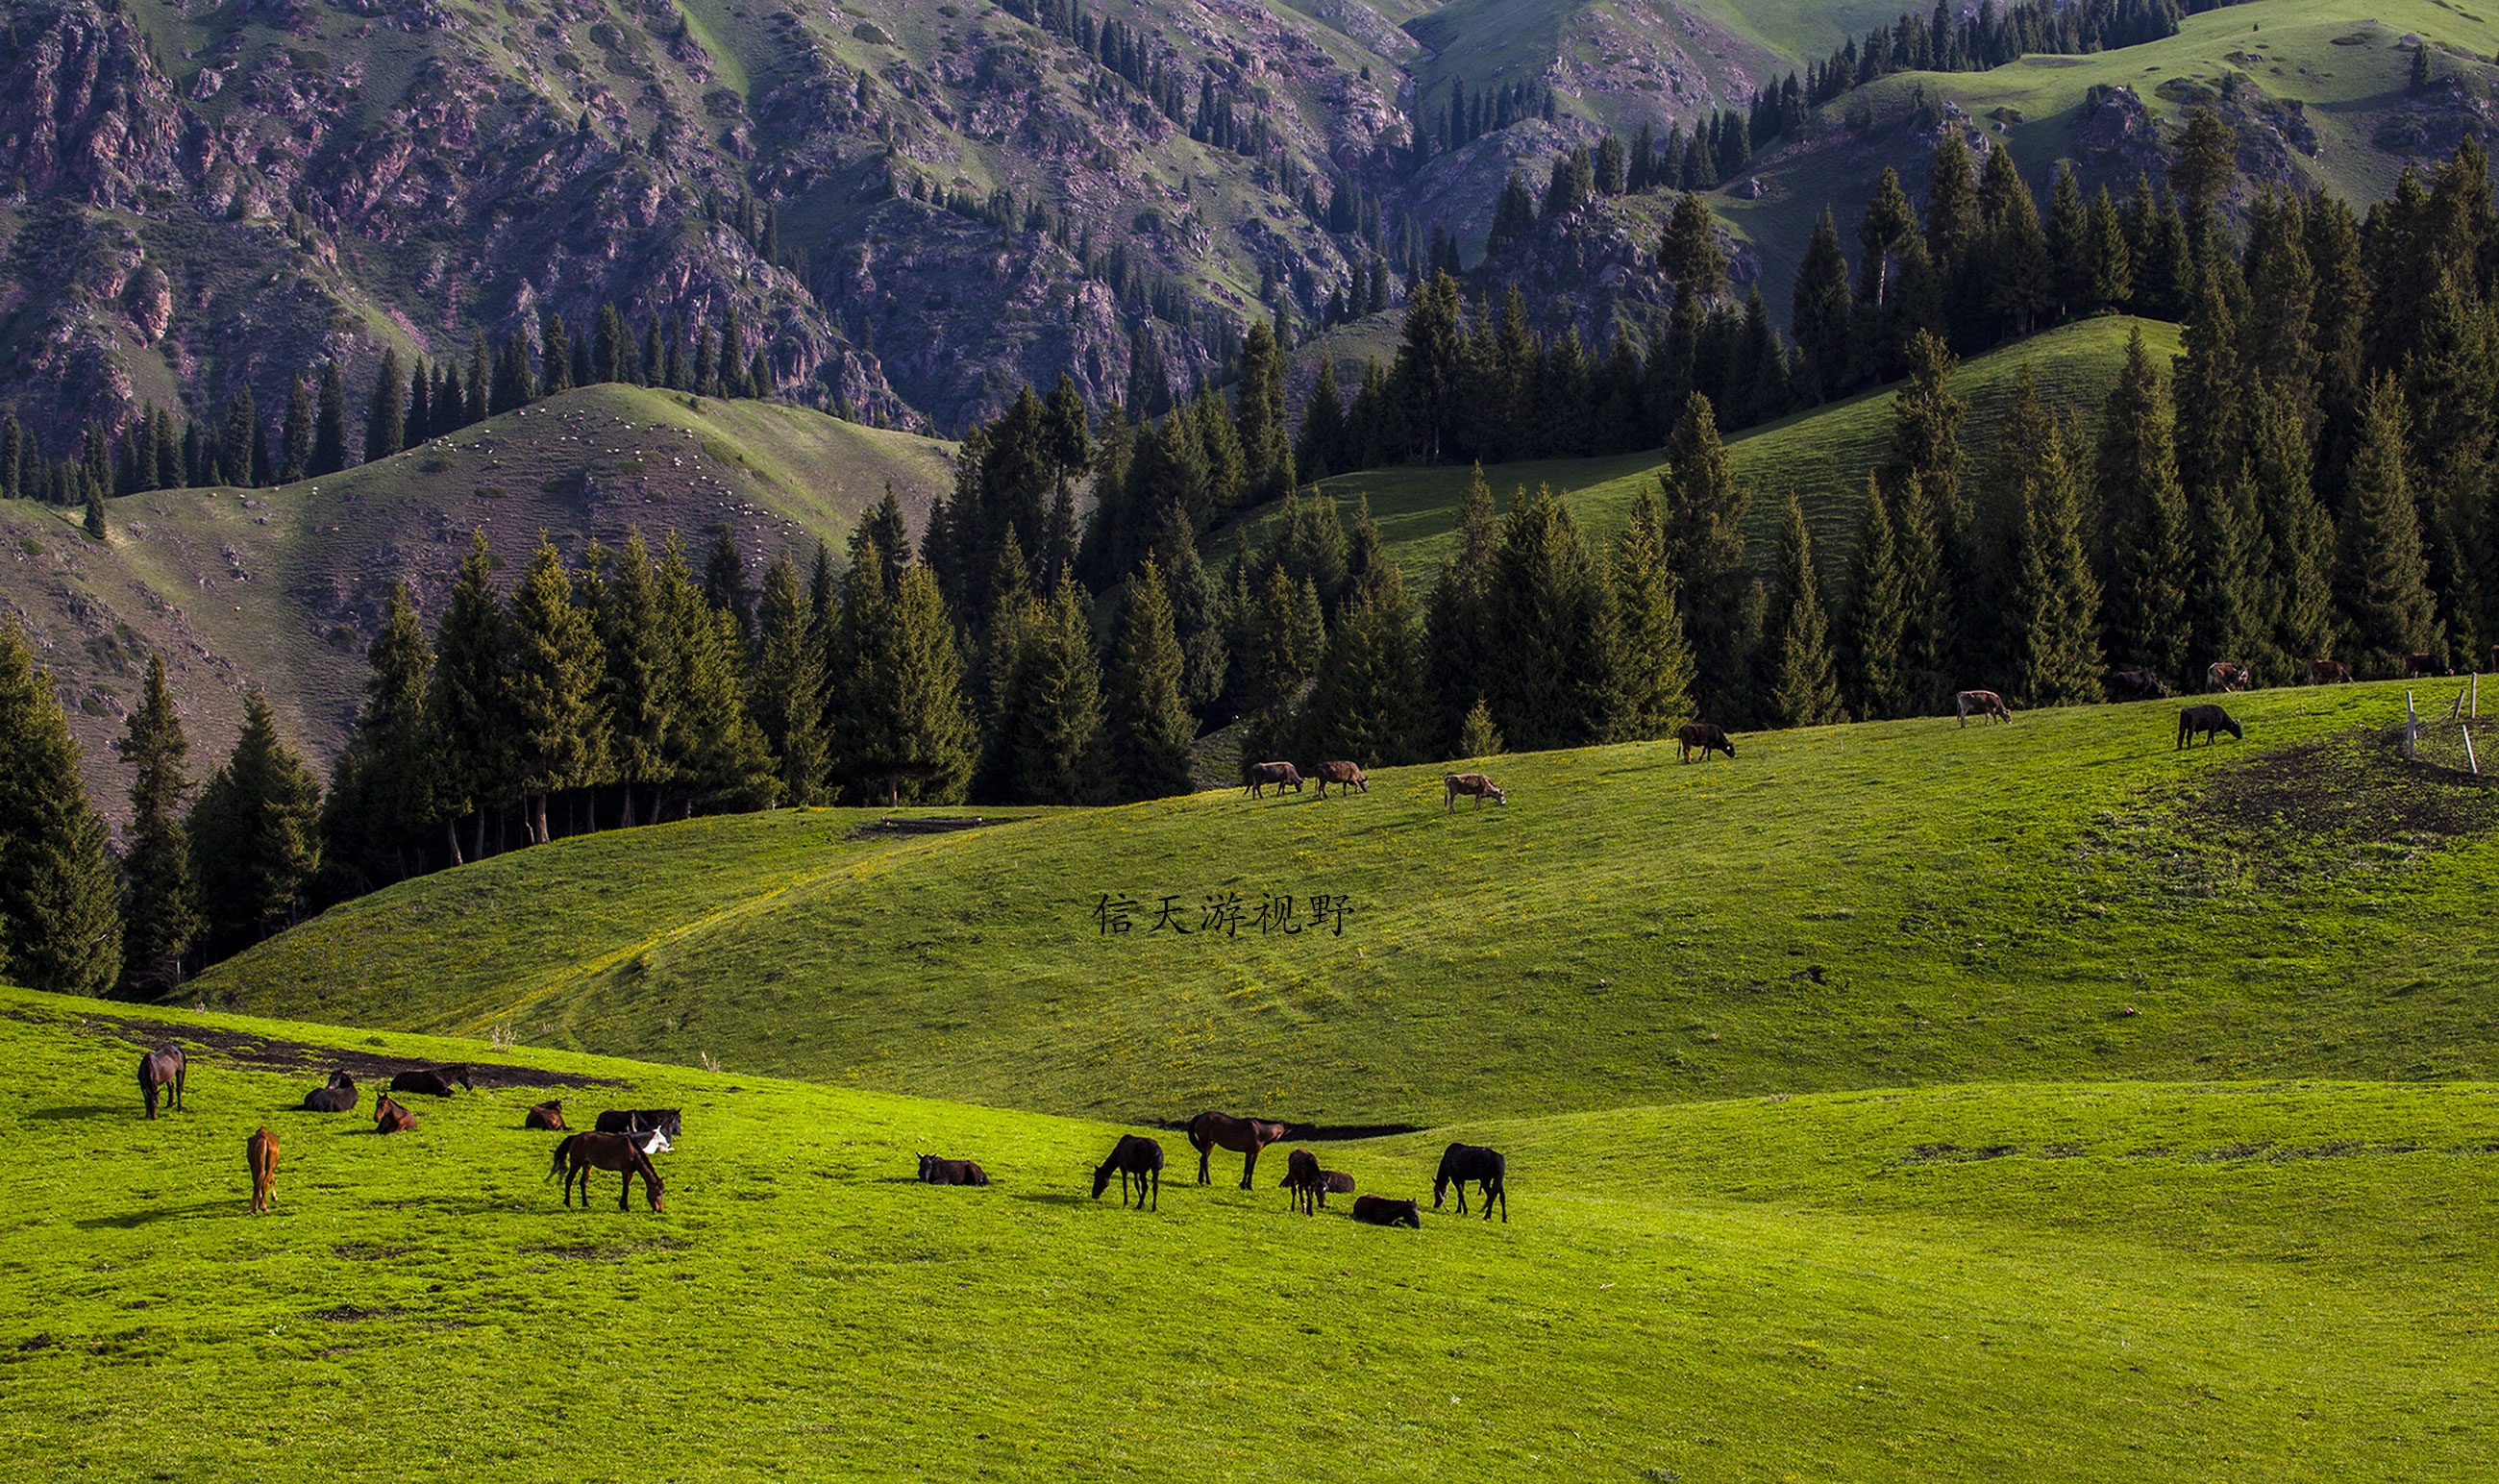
{"x":1344,"y":775}
{"x":2226,"y":675}
{"x":1474,"y":784}
{"x":1283,"y":775}
{"x":1985,"y":702}
{"x":2328,"y":671}
{"x":1703,"y":736}
{"x":1379,"y":1211}
{"x":548,"y":1114}
{"x":2418,"y":666}
{"x":2208,"y":722}
{"x":260,"y":1152}
{"x":391,"y":1118}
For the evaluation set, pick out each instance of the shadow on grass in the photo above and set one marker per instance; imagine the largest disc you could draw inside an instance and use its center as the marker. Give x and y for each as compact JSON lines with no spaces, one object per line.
{"x":1049,"y":1198}
{"x":237,"y":1206}
{"x":70,"y":1111}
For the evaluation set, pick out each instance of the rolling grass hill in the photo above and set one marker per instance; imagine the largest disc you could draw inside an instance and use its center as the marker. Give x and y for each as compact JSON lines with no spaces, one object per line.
{"x":2164,"y":1281}
{"x":1911,"y":902}
{"x":281,"y":588}
{"x":1822,"y":454}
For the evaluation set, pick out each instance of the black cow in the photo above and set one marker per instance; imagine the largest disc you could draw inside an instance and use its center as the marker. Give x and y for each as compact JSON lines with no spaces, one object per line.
{"x":2206,"y":720}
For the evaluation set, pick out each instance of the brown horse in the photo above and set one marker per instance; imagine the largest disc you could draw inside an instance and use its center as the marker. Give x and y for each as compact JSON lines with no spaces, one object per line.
{"x":1209,"y":1131}
{"x":952,"y":1171}
{"x":548,"y":1114}
{"x":1379,"y":1211}
{"x":260,"y":1152}
{"x":391,"y":1118}
{"x":580,"y":1155}
{"x":1304,"y":1177}
{"x":1133,"y":1155}
{"x":162,"y":1069}
{"x":1331,"y":1182}
{"x":337,"y":1097}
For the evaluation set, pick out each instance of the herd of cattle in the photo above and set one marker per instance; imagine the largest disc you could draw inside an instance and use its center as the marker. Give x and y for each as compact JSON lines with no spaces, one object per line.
{"x":625,"y":1139}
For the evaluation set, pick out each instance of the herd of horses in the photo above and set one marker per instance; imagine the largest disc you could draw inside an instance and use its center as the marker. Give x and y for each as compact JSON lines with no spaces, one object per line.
{"x":624,"y":1140}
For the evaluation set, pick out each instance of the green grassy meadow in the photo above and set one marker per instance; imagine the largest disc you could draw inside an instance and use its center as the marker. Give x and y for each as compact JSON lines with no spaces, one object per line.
{"x":1824,"y":455}
{"x":2089,"y":1281}
{"x":2065,"y":897}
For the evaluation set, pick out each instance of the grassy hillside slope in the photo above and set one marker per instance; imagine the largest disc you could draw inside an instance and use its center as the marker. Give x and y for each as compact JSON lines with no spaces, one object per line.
{"x":1824,"y":455}
{"x":1841,"y":907}
{"x":281,"y":588}
{"x":2054,"y":1283}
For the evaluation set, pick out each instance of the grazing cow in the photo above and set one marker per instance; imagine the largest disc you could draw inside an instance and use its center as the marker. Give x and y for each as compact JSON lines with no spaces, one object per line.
{"x":1137,"y":1155}
{"x":1304,"y":1177}
{"x":391,"y":1118}
{"x":1985,"y":703}
{"x":2208,"y":721}
{"x":1344,"y":775}
{"x":260,"y":1152}
{"x":951,"y":1172}
{"x":580,"y":1155}
{"x":338,"y":1097}
{"x":1703,"y":737}
{"x":436,"y":1083}
{"x":2417,"y":666}
{"x":634,"y":1120}
{"x":2135,"y":686}
{"x":2328,"y":672}
{"x":1379,"y":1211}
{"x":1282,"y":775}
{"x":548,"y":1114}
{"x":162,"y":1069}
{"x":1472,"y":784}
{"x":1463,"y":1162}
{"x":2226,"y":675}
{"x":1245,"y":1136}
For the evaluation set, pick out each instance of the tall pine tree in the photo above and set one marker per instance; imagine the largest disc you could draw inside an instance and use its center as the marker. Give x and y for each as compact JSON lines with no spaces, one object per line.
{"x":60,"y":917}
{"x":161,"y":915}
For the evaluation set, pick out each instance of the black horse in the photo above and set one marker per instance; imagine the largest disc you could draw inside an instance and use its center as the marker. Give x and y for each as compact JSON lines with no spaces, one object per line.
{"x":162,"y":1069}
{"x":1461,"y":1163}
{"x":636,"y":1120}
{"x":1133,"y":1155}
{"x":434,"y":1082}
{"x":338,"y":1097}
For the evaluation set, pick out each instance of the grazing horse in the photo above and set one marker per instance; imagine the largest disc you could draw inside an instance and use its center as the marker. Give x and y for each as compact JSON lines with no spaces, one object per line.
{"x":2208,"y":721}
{"x":1331,"y":1182}
{"x":1700,"y":738}
{"x":162,"y":1069}
{"x":1379,"y":1211}
{"x":1134,"y":1154}
{"x":652,"y":1141}
{"x":391,"y":1118}
{"x":1282,"y":775}
{"x":260,"y":1152}
{"x":580,"y":1155}
{"x":548,"y":1114}
{"x":634,"y":1120}
{"x":1344,"y":775}
{"x":1471,"y":785}
{"x":1463,"y":1162}
{"x":433,"y":1083}
{"x":2328,"y":671}
{"x":2226,"y":675}
{"x":338,"y":1097}
{"x":2418,"y":666}
{"x":1304,"y":1177}
{"x":951,"y":1172}
{"x":2135,"y":686}
{"x":1985,"y":703}
{"x":1243,"y":1136}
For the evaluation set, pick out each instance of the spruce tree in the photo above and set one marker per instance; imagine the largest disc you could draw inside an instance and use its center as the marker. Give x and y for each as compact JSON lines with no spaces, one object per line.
{"x":552,"y":689}
{"x":418,"y":424}
{"x":723,"y":583}
{"x":715,"y":751}
{"x":1478,"y":736}
{"x":469,"y":713}
{"x":161,"y":914}
{"x":1319,"y":448}
{"x":95,"y":523}
{"x":60,"y":917}
{"x":1649,"y":660}
{"x":2225,"y":598}
{"x":1267,"y":456}
{"x":1688,"y":251}
{"x":383,"y":792}
{"x":2295,"y":537}
{"x":2211,"y":422}
{"x":1548,"y":682}
{"x":386,"y":414}
{"x":609,"y":352}
{"x":2055,"y":601}
{"x":1705,"y":543}
{"x":789,"y":693}
{"x":1877,"y":616}
{"x":640,"y":695}
{"x":2384,"y":575}
{"x":914,"y":729}
{"x":255,"y":835}
{"x":2144,"y":510}
{"x":555,"y":360}
{"x":1148,"y":731}
{"x":1803,"y":682}
{"x":1819,"y":316}
{"x":295,"y":446}
{"x":1365,"y":701}
{"x":1459,"y":647}
{"x":1921,"y":474}
{"x":1047,"y":742}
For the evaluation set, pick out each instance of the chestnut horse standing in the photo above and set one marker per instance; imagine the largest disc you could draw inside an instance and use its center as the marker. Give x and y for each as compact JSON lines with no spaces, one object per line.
{"x":1304,"y":1177}
{"x":1209,"y":1131}
{"x":260,"y":1152}
{"x":580,"y":1155}
{"x":162,"y":1069}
